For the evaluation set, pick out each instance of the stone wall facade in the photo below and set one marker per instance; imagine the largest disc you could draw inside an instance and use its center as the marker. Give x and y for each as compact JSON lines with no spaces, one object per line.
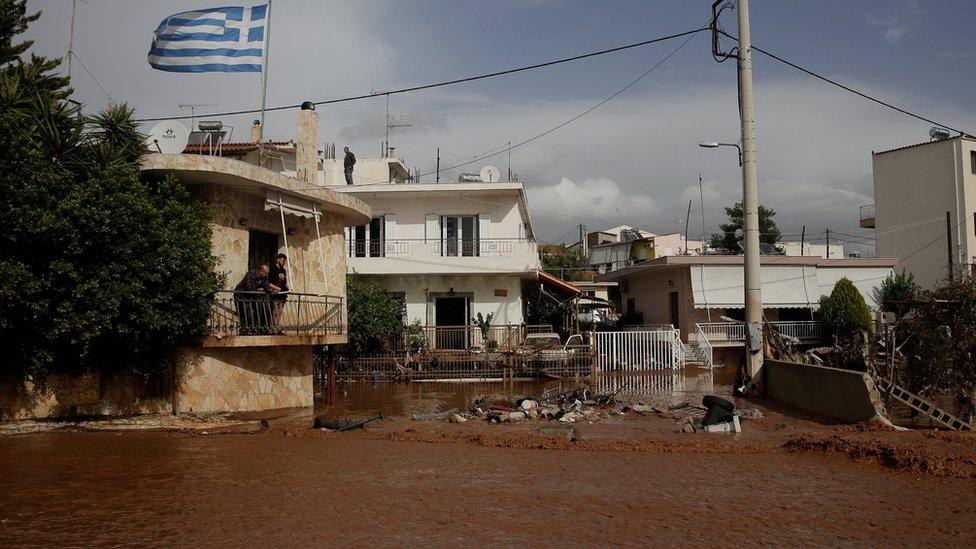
{"x":244,"y":379}
{"x":59,"y":396}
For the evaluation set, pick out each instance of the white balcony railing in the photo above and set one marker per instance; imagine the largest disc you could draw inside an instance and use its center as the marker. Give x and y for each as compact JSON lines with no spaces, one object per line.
{"x":482,"y":247}
{"x":804,"y":330}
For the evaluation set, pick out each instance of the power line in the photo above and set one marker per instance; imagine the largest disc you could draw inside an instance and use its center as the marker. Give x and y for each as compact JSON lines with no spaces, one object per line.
{"x":92,"y":76}
{"x":446,"y":82}
{"x":848,"y":88}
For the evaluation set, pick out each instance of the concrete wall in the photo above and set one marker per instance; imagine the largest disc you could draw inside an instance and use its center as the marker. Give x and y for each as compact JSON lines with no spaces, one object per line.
{"x":913,"y":189}
{"x":813,"y":250}
{"x":840,"y":394}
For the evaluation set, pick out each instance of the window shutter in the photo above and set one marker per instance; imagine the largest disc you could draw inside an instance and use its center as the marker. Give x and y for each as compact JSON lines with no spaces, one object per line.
{"x":484,"y":234}
{"x":348,"y":241}
{"x":433,"y":230}
{"x":389,"y":233}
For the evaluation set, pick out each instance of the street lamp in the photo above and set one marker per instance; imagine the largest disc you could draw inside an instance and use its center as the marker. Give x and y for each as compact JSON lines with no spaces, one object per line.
{"x":716,"y":144}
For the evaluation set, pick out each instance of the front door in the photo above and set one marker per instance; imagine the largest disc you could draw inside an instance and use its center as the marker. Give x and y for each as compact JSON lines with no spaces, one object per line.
{"x":262,"y":248}
{"x":673,"y":301}
{"x":451,"y":319}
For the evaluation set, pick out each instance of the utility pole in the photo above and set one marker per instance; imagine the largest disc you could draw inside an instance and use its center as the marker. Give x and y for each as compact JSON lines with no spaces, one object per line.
{"x":701,"y":196}
{"x":582,"y":237}
{"x":71,"y":36}
{"x":803,"y":239}
{"x":828,"y":242}
{"x":687,"y":218}
{"x":438,"y":169}
{"x":509,"y":161}
{"x":752,"y":279}
{"x":949,"y":245}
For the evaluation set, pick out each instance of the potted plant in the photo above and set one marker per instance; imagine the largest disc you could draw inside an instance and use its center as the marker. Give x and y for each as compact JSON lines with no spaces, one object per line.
{"x":484,"y":324}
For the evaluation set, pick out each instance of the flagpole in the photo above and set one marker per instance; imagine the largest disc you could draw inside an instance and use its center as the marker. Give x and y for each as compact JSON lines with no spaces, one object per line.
{"x":264,"y":80}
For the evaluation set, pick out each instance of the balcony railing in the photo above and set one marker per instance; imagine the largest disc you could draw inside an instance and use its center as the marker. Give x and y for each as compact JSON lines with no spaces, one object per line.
{"x":479,"y":247}
{"x":867,"y":217}
{"x":458,"y":338}
{"x":290,"y":313}
{"x":804,"y":330}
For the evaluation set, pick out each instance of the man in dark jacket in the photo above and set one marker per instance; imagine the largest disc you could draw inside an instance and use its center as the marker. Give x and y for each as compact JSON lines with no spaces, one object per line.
{"x":347,"y":163}
{"x":251,"y":299}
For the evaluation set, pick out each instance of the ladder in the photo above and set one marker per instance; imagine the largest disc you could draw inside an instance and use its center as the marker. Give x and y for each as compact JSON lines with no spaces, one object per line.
{"x":918,"y":403}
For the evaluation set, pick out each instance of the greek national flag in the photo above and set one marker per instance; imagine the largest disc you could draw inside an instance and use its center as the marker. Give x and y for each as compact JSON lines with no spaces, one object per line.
{"x":214,"y":40}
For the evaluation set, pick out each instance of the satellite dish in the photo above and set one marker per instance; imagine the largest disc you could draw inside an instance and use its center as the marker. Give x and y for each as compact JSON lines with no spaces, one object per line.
{"x":167,"y":137}
{"x":490,"y":174}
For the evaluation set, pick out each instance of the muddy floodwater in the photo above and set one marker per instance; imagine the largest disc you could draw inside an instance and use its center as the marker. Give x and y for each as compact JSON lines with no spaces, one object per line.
{"x":631,"y":481}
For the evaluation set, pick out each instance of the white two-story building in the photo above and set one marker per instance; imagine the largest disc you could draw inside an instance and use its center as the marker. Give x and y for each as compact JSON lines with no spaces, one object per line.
{"x":448,"y":250}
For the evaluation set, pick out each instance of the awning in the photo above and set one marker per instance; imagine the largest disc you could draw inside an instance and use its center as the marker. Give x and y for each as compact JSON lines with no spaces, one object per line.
{"x":558,"y":286}
{"x":783,"y":286}
{"x":291,"y":205}
{"x":865,"y":279}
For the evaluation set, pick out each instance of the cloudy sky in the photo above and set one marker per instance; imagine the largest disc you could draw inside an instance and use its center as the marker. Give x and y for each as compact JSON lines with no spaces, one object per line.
{"x":634,"y":160}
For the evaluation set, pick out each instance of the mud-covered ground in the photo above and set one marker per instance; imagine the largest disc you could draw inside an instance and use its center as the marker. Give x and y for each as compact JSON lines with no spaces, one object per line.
{"x":787,"y":479}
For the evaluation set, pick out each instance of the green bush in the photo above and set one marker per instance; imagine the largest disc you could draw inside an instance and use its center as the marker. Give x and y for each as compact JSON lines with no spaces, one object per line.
{"x":844,"y":312}
{"x":101,"y":270}
{"x":374,"y":315}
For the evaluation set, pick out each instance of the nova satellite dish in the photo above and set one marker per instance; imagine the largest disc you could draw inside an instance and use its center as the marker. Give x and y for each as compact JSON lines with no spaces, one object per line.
{"x":167,"y":137}
{"x":490,"y":174}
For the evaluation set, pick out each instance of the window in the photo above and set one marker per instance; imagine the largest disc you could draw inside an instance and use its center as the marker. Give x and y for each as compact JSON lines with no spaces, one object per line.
{"x":631,"y":306}
{"x":459,"y":235}
{"x":972,"y":161}
{"x":368,"y":240}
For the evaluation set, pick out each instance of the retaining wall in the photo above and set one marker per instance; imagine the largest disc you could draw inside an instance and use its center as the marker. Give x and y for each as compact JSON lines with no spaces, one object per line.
{"x":840,"y":394}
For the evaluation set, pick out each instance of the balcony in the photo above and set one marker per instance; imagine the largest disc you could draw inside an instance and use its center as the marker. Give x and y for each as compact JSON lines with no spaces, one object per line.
{"x":420,"y":256}
{"x":734,"y":333}
{"x":867,"y":216}
{"x":257,"y":319}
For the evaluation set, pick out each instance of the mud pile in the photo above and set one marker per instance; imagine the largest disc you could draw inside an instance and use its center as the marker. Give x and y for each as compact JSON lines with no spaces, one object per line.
{"x":909,"y":456}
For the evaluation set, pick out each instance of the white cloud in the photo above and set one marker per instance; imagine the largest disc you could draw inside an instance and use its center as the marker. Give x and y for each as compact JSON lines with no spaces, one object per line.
{"x":593,"y":199}
{"x":898,"y":20}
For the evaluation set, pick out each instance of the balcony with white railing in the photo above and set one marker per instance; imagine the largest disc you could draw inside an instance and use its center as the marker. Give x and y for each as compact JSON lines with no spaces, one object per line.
{"x":421,"y":256}
{"x":734,"y":333}
{"x":867,"y":216}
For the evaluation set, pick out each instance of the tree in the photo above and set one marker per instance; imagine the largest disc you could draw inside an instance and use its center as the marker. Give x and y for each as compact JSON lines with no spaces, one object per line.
{"x":566,"y":263}
{"x":374,"y":315}
{"x":846,"y":318}
{"x":727,"y":242}
{"x":940,"y":343}
{"x":899,"y":287}
{"x":102,"y":270}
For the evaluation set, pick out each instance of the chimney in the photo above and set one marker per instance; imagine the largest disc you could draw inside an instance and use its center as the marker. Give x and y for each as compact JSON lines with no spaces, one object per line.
{"x":256,"y":131}
{"x":306,"y":142}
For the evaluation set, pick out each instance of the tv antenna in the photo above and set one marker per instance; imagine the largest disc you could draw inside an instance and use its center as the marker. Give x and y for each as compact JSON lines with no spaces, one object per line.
{"x":193,"y":107}
{"x":393,"y":121}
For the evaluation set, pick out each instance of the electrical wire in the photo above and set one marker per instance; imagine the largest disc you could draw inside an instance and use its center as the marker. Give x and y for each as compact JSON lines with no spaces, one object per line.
{"x":849,"y":88}
{"x":444,"y":83}
{"x":92,"y":76}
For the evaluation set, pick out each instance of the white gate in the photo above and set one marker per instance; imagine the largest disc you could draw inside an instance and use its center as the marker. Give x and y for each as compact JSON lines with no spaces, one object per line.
{"x":642,"y":351}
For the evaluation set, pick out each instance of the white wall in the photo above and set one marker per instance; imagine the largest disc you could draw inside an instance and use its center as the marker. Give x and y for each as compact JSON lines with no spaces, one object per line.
{"x":813,"y":250}
{"x":913,"y":189}
{"x":507,"y":309}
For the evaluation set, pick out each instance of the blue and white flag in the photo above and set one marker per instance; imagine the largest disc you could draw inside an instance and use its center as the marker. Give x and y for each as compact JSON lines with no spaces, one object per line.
{"x":214,"y":40}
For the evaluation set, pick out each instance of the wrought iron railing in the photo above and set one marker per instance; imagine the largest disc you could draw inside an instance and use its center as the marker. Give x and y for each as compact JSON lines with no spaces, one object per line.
{"x":290,"y":313}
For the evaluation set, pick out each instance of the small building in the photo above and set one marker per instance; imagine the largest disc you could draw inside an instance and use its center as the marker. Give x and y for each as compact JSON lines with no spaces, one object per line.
{"x":914,"y":188}
{"x":795,"y":249}
{"x":703,"y":296}
{"x":635,"y":247}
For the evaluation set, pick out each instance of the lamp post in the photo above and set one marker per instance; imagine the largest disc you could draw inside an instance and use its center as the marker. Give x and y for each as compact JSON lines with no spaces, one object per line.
{"x":716,"y":144}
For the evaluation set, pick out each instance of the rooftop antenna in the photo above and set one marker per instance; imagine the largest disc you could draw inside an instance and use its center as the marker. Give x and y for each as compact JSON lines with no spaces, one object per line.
{"x":71,"y":36}
{"x":393,"y":121}
{"x":193,"y":107}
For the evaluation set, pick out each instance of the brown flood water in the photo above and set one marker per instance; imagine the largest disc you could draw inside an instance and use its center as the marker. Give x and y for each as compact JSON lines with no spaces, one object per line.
{"x":292,"y":486}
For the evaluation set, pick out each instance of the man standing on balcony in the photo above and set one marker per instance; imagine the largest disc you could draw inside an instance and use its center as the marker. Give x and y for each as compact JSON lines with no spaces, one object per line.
{"x":347,"y":163}
{"x":251,"y":300}
{"x":277,"y":284}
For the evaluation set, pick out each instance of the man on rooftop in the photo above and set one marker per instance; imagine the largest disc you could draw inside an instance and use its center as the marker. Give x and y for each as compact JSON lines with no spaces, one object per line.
{"x":347,"y":163}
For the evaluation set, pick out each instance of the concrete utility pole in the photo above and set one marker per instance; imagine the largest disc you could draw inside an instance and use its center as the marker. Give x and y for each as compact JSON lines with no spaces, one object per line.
{"x":949,"y":245}
{"x":583,"y":242}
{"x":750,"y":201}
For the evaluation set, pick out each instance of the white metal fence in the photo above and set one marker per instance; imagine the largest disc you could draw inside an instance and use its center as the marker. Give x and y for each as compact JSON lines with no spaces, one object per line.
{"x":803,"y":329}
{"x":634,"y":351}
{"x":705,"y":346}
